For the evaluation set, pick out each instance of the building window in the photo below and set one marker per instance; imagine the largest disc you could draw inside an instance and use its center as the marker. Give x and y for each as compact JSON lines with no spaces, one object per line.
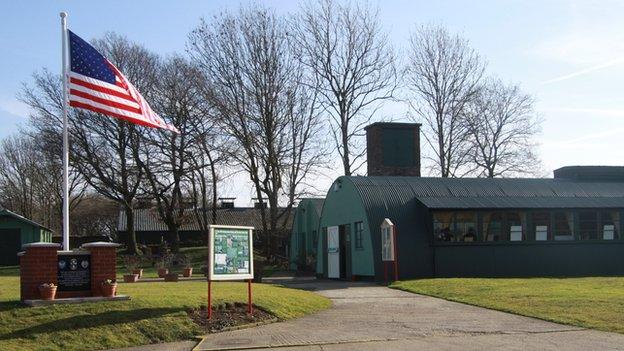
{"x":609,"y":228}
{"x":588,"y":225}
{"x":314,"y":240}
{"x":442,"y":224}
{"x":563,"y":226}
{"x":359,"y":233}
{"x":541,"y":225}
{"x":515,"y":226}
{"x":493,"y":226}
{"x":465,"y":226}
{"x":455,"y":226}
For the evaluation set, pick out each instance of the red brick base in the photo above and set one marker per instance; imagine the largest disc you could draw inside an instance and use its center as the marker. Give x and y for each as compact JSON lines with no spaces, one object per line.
{"x":38,"y":265}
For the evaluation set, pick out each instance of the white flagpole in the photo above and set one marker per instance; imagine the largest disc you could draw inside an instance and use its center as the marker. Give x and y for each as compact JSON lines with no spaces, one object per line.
{"x":65,"y":137}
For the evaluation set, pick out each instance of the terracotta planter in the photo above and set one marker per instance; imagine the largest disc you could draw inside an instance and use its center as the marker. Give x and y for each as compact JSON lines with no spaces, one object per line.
{"x":187,"y":272}
{"x":131,"y":278}
{"x":108,"y":290}
{"x":47,"y":293}
{"x":162,"y":272}
{"x":171,"y":277}
{"x":139,"y":272}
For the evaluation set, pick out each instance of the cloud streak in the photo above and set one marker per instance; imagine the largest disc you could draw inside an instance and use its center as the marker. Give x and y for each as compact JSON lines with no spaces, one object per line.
{"x":585,"y":71}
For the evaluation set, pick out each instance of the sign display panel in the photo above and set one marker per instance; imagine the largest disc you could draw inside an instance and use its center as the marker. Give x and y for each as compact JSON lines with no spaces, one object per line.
{"x":231,"y":253}
{"x":387,"y":240}
{"x":74,"y":272}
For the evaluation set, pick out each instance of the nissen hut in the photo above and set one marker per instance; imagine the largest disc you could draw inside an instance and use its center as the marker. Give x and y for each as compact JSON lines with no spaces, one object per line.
{"x":568,"y":225}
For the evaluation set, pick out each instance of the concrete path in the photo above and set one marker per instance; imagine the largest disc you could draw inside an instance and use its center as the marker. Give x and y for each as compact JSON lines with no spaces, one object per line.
{"x":370,"y":317}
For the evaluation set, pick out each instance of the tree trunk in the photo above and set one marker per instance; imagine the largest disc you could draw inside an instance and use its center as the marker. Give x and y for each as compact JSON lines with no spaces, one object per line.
{"x":131,"y":243}
{"x":174,"y":238}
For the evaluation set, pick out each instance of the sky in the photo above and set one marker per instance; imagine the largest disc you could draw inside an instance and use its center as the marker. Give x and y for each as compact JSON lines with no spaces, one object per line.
{"x":568,"y":54}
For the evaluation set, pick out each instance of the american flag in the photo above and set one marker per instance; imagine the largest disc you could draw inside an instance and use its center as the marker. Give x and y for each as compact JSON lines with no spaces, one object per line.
{"x":95,"y":84}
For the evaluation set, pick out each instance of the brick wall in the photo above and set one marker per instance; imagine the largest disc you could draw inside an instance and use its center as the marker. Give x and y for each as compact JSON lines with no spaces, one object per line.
{"x":37,"y":266}
{"x":376,"y":164}
{"x":103,"y":260}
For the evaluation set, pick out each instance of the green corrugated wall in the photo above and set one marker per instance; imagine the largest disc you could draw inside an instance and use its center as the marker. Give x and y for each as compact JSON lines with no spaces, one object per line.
{"x":305,"y":227}
{"x":344,"y":206}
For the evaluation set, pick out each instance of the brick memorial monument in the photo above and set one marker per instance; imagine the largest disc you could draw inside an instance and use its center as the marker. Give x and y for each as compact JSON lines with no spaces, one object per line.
{"x":78,"y":273}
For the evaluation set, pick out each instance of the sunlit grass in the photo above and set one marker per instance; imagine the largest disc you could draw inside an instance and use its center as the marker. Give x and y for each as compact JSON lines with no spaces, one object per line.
{"x":596,"y":302}
{"x":156,"y":313}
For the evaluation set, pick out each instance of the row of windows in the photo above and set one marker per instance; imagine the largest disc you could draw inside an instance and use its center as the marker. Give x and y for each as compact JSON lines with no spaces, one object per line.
{"x":470,"y":226}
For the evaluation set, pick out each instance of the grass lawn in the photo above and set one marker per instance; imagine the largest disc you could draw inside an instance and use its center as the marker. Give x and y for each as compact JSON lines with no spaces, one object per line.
{"x":596,"y":302}
{"x":156,"y":313}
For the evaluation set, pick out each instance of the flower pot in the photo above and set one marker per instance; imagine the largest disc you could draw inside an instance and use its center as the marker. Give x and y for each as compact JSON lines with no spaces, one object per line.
{"x":171,"y":277}
{"x":108,"y":290}
{"x":187,"y":272}
{"x":131,"y":278}
{"x":47,"y":293}
{"x":138,"y":271}
{"x":162,"y":272}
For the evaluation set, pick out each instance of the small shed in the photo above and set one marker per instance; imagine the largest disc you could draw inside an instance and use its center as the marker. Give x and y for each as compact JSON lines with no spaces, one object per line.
{"x":15,"y":231}
{"x":304,"y":234}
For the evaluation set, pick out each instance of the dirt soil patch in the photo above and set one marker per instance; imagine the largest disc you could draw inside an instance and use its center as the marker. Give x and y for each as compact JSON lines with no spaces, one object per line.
{"x":228,"y":316}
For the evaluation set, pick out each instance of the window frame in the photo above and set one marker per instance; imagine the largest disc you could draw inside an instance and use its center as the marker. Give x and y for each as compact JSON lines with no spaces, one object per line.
{"x":358,"y":228}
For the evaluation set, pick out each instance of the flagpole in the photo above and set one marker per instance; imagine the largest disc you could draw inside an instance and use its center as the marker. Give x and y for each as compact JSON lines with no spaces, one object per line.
{"x":65,"y":137}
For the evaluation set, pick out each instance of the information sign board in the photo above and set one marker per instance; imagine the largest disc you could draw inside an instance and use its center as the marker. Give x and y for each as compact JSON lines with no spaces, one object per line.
{"x":231,"y":253}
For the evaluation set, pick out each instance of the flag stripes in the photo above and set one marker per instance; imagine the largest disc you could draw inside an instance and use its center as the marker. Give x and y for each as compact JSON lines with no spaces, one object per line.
{"x":90,"y":87}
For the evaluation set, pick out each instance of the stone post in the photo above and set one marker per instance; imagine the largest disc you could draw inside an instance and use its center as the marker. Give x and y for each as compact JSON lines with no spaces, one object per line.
{"x":37,"y":266}
{"x":103,"y":261}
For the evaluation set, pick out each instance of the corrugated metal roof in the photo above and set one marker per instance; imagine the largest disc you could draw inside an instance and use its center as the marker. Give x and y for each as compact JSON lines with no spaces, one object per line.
{"x":461,"y":193}
{"x":317,"y":203}
{"x":7,"y":213}
{"x":148,"y":219}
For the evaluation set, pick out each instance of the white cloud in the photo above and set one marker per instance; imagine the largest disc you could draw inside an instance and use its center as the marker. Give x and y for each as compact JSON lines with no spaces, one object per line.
{"x":585,"y":71}
{"x":14,"y":107}
{"x":595,"y":112}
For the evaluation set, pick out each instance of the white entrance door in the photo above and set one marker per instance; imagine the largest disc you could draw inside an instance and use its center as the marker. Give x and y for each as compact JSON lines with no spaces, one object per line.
{"x":333,"y":252}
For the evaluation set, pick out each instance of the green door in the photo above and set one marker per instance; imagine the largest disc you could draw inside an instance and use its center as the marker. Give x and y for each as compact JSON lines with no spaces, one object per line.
{"x":10,"y":245}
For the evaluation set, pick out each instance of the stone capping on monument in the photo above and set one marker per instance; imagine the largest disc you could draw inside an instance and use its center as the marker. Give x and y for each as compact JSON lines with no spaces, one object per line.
{"x":99,"y":244}
{"x":41,"y":244}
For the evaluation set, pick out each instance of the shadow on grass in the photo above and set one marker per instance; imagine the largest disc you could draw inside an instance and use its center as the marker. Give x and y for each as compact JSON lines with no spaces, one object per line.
{"x":11,"y":305}
{"x":88,"y":321}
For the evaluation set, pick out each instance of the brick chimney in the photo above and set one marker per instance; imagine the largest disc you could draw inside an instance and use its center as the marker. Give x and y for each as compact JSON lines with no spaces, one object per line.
{"x":393,"y":149}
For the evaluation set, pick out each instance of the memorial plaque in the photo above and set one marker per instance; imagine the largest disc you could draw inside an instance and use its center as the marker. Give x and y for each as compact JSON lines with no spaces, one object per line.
{"x":74,"y":272}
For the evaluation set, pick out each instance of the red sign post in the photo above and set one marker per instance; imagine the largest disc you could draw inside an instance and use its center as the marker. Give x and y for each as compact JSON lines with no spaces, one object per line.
{"x":230,"y":257}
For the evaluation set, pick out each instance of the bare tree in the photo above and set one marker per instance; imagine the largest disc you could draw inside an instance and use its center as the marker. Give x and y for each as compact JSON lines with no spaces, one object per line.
{"x":207,"y":175}
{"x":255,"y":86}
{"x":352,"y":67}
{"x":443,"y":73}
{"x":501,"y":123}
{"x":168,"y":158}
{"x":102,"y":149}
{"x":30,"y":180}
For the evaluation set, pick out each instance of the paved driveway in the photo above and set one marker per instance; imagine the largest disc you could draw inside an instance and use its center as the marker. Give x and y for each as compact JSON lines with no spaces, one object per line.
{"x":370,"y":317}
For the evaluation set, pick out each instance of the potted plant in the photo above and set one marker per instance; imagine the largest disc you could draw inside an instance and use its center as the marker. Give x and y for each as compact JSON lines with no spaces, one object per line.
{"x":161,"y":265}
{"x":109,"y":287}
{"x":131,"y":263}
{"x":185,"y":261}
{"x":47,"y":291}
{"x":170,"y":276}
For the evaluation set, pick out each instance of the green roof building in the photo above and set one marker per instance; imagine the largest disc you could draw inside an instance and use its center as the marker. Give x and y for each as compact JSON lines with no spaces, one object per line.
{"x":16,"y":231}
{"x":568,"y":225}
{"x":304,"y":235}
